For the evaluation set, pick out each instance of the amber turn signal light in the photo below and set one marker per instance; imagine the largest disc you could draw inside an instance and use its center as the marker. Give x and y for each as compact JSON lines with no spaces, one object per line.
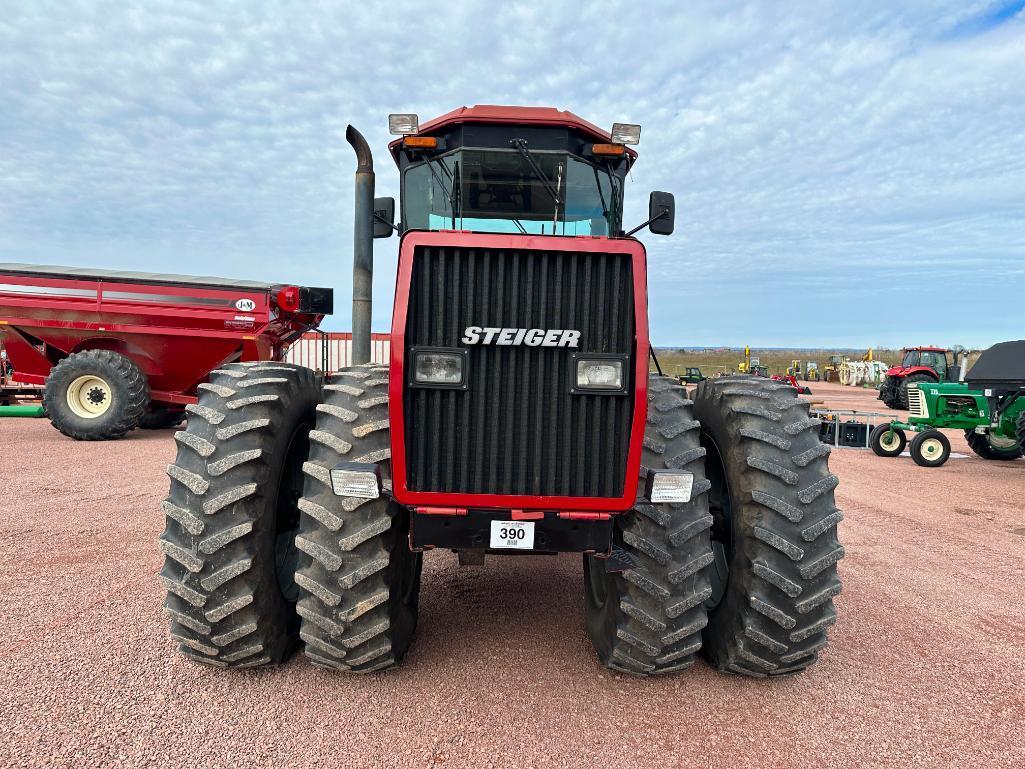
{"x":420,"y":142}
{"x":608,"y":149}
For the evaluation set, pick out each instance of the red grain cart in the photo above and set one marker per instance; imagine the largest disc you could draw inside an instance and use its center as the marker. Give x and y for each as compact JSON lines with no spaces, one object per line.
{"x":119,"y":350}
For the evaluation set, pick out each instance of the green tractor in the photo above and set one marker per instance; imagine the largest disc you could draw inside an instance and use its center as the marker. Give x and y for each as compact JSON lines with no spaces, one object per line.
{"x":988,"y":406}
{"x":692,"y":375}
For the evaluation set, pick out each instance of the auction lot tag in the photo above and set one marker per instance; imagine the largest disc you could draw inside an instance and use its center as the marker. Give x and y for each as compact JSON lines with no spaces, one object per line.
{"x":512,"y":535}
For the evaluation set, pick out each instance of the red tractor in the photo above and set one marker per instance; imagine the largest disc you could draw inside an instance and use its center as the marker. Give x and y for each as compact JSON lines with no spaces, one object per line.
{"x":517,"y":416}
{"x":920,"y":364}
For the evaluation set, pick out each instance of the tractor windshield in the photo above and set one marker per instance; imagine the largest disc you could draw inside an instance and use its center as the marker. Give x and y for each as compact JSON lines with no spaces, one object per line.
{"x":937,"y":361}
{"x":911,"y":358}
{"x":502,"y":191}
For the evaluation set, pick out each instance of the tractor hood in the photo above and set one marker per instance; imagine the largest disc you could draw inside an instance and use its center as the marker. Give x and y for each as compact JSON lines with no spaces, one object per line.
{"x":903,"y":371}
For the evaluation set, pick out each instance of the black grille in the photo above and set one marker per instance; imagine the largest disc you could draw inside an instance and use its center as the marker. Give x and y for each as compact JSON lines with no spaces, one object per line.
{"x":517,"y":429}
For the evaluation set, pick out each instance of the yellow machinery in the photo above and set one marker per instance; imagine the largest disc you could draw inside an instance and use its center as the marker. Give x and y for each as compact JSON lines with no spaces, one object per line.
{"x":832,"y":372}
{"x":750,"y":365}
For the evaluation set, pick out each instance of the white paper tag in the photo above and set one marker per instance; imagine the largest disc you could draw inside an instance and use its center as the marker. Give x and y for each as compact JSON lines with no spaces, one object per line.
{"x":512,"y":535}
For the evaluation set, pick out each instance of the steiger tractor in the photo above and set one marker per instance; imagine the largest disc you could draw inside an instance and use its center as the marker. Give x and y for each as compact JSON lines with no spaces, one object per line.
{"x":517,"y":415}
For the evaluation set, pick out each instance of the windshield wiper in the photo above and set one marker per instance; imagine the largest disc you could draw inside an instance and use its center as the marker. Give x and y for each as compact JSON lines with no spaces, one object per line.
{"x":435,"y":174}
{"x":521,"y":146}
{"x":613,"y":195}
{"x":455,"y":195}
{"x":601,"y":195}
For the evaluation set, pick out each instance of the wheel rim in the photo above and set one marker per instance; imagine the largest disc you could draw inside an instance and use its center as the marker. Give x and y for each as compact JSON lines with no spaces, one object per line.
{"x":1002,"y":443}
{"x":720,"y":505}
{"x":889,"y":440}
{"x":89,"y":397}
{"x":932,"y":448}
{"x":290,"y":489}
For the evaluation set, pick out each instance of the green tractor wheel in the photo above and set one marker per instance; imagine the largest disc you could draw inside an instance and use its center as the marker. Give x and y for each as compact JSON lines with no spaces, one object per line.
{"x":930,"y":449}
{"x":887,"y":441}
{"x":991,"y":446}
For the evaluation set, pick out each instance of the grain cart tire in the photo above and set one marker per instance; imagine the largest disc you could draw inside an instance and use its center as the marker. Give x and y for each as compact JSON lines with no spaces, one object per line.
{"x":96,"y":395}
{"x":359,"y":582}
{"x":930,"y":449}
{"x":161,"y":419}
{"x":1021,"y":431}
{"x":886,"y":441}
{"x":774,"y":531}
{"x":889,"y":392}
{"x":902,"y":390}
{"x":232,"y":515}
{"x":647,"y":618}
{"x":991,"y":446}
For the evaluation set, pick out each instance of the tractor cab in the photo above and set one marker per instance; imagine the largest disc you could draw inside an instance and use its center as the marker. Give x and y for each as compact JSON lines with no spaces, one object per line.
{"x":936,"y":359}
{"x":513,"y":170}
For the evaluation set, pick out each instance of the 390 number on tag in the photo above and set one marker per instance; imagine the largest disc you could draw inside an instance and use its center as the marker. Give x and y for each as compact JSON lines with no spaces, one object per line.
{"x":512,"y":535}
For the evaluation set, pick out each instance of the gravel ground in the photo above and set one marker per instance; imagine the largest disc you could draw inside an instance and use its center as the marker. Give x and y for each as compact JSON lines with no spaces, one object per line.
{"x":926,"y":666}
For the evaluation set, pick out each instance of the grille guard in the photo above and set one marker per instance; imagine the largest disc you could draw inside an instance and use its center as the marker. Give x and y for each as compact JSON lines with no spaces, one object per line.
{"x":413,"y":239}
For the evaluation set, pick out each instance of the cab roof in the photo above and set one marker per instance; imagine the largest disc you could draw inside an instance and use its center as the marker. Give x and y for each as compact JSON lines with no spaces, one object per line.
{"x":497,"y":114}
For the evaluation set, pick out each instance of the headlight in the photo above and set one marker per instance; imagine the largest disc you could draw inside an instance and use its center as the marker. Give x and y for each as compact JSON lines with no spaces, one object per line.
{"x":599,"y":374}
{"x":439,"y":368}
{"x":670,"y":486}
{"x":356,"y":479}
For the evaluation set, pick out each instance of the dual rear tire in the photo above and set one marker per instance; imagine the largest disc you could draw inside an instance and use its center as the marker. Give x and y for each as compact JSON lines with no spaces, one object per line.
{"x":259,"y":550}
{"x":745,"y":571}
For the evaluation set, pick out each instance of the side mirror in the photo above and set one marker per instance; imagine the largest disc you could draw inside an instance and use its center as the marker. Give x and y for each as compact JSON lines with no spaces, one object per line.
{"x":661,"y":213}
{"x":384,"y":215}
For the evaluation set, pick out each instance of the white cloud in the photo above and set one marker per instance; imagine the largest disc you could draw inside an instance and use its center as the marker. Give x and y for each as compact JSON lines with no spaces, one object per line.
{"x":852,"y":173}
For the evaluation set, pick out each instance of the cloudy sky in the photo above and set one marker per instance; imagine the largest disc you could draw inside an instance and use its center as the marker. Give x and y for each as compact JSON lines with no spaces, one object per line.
{"x":846,"y":173}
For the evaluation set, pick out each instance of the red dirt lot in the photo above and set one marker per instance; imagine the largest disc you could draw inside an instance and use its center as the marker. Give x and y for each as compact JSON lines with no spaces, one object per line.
{"x":926,"y":667}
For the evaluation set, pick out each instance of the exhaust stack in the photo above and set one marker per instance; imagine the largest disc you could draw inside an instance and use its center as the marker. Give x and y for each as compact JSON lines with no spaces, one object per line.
{"x":363,"y":247}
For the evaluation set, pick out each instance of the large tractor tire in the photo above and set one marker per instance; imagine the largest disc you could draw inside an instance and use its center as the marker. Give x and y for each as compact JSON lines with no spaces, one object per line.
{"x":96,"y":395}
{"x":359,"y":582}
{"x":889,"y":392}
{"x":991,"y":446}
{"x":161,"y":418}
{"x":902,"y":390}
{"x":233,"y":512}
{"x":647,"y":617}
{"x":775,"y":528}
{"x":1021,"y":430}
